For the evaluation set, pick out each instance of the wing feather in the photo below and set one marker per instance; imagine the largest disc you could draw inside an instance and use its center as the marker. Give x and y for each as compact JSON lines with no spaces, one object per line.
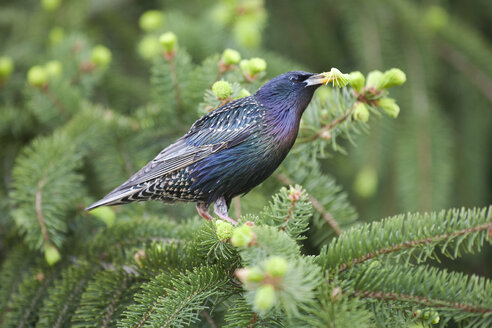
{"x":210,"y":134}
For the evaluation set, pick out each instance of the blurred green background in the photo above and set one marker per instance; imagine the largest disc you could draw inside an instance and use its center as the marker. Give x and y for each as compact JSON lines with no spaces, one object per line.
{"x":436,"y":155}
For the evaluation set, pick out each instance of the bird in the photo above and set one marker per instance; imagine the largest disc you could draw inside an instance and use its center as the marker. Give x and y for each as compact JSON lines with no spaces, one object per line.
{"x":226,"y":152}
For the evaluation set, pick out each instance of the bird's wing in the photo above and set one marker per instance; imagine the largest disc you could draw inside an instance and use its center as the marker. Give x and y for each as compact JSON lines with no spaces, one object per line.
{"x":223,"y":128}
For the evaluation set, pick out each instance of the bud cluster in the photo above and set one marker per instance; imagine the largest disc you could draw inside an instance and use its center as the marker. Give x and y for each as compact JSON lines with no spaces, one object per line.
{"x":265,"y":280}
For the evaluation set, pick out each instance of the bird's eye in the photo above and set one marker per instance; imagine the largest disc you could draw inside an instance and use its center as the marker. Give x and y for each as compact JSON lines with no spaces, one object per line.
{"x":295,"y":78}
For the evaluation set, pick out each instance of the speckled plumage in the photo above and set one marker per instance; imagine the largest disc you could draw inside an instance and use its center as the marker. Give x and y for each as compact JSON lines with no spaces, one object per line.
{"x":226,"y":152}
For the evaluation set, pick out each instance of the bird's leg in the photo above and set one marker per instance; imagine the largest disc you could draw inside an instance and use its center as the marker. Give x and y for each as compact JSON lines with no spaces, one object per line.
{"x":220,"y":208}
{"x":202,"y":209}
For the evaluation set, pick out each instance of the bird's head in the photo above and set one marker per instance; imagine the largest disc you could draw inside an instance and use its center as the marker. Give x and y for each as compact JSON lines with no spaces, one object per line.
{"x":290,"y":91}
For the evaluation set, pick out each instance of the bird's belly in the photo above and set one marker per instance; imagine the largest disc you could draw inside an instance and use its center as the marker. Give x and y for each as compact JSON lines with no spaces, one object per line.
{"x":237,"y":170}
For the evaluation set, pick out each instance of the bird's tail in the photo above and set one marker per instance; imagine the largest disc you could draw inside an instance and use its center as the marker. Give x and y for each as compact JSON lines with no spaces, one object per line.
{"x":116,"y":197}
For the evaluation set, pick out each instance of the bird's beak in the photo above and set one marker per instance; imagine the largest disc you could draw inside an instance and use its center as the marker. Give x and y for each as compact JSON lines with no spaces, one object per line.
{"x":317,"y":79}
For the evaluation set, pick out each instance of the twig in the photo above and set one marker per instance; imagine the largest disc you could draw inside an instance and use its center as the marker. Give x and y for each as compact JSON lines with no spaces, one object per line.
{"x":58,"y":104}
{"x":208,"y":318}
{"x":39,"y":210}
{"x":316,"y":204}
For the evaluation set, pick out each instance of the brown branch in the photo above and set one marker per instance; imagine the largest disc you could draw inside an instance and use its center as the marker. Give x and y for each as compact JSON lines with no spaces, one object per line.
{"x":293,"y":200}
{"x":316,"y":204}
{"x":208,"y":318}
{"x":474,"y":74}
{"x":413,"y":243}
{"x":39,"y":210}
{"x":145,"y":317}
{"x":327,"y":128}
{"x":423,"y":300}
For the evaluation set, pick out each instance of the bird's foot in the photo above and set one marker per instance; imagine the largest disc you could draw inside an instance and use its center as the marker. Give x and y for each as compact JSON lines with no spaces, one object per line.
{"x":220,"y":208}
{"x":202,"y":210}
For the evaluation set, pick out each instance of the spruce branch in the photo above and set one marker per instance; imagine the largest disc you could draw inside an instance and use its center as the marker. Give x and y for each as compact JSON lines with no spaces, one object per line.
{"x":411,"y":235}
{"x":415,"y":243}
{"x":436,"y":303}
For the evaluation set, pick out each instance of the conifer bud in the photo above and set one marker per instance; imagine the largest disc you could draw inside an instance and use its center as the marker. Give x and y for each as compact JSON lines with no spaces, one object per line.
{"x":231,"y":57}
{"x":436,"y":18}
{"x":149,"y":47}
{"x":389,"y":106}
{"x":105,"y":214}
{"x":222,"y":89}
{"x":357,"y":81}
{"x":373,"y":78}
{"x":6,"y":67}
{"x":53,"y":68}
{"x":265,"y":297}
{"x":242,"y":236}
{"x":51,"y":254}
{"x":50,"y":5}
{"x":36,"y":76}
{"x":223,"y":230}
{"x":361,"y":113}
{"x":151,"y":20}
{"x":249,"y":275}
{"x":101,"y":56}
{"x":366,"y":183}
{"x":247,"y":33}
{"x":391,"y":78}
{"x":338,"y":78}
{"x":244,"y":66}
{"x":56,"y":35}
{"x":169,"y":41}
{"x":243,"y":93}
{"x":276,"y":266}
{"x":257,"y":65}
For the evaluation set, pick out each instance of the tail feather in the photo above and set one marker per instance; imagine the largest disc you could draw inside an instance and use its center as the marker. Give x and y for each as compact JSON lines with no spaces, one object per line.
{"x":114,"y":198}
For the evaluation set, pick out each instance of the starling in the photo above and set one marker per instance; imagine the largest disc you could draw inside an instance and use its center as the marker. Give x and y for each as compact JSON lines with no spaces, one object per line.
{"x":227,"y":152}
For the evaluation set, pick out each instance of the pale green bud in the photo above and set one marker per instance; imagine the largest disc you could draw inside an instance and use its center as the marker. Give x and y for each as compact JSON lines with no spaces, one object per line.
{"x":389,"y":106}
{"x":366,"y":183}
{"x":6,"y":67}
{"x":51,"y":254}
{"x":231,"y":57}
{"x":222,"y":89}
{"x":436,"y":18}
{"x":265,"y":297}
{"x":243,"y":93}
{"x":105,"y":214}
{"x":50,"y":5}
{"x":223,"y":229}
{"x":242,"y":236}
{"x":276,"y":266}
{"x":101,"y":56}
{"x":373,"y":78}
{"x":151,"y":20}
{"x":149,"y":47}
{"x":169,"y":41}
{"x":56,"y":35}
{"x":357,"y":81}
{"x":53,"y":68}
{"x":36,"y":76}
{"x":391,"y":78}
{"x":257,"y":65}
{"x":361,"y":113}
